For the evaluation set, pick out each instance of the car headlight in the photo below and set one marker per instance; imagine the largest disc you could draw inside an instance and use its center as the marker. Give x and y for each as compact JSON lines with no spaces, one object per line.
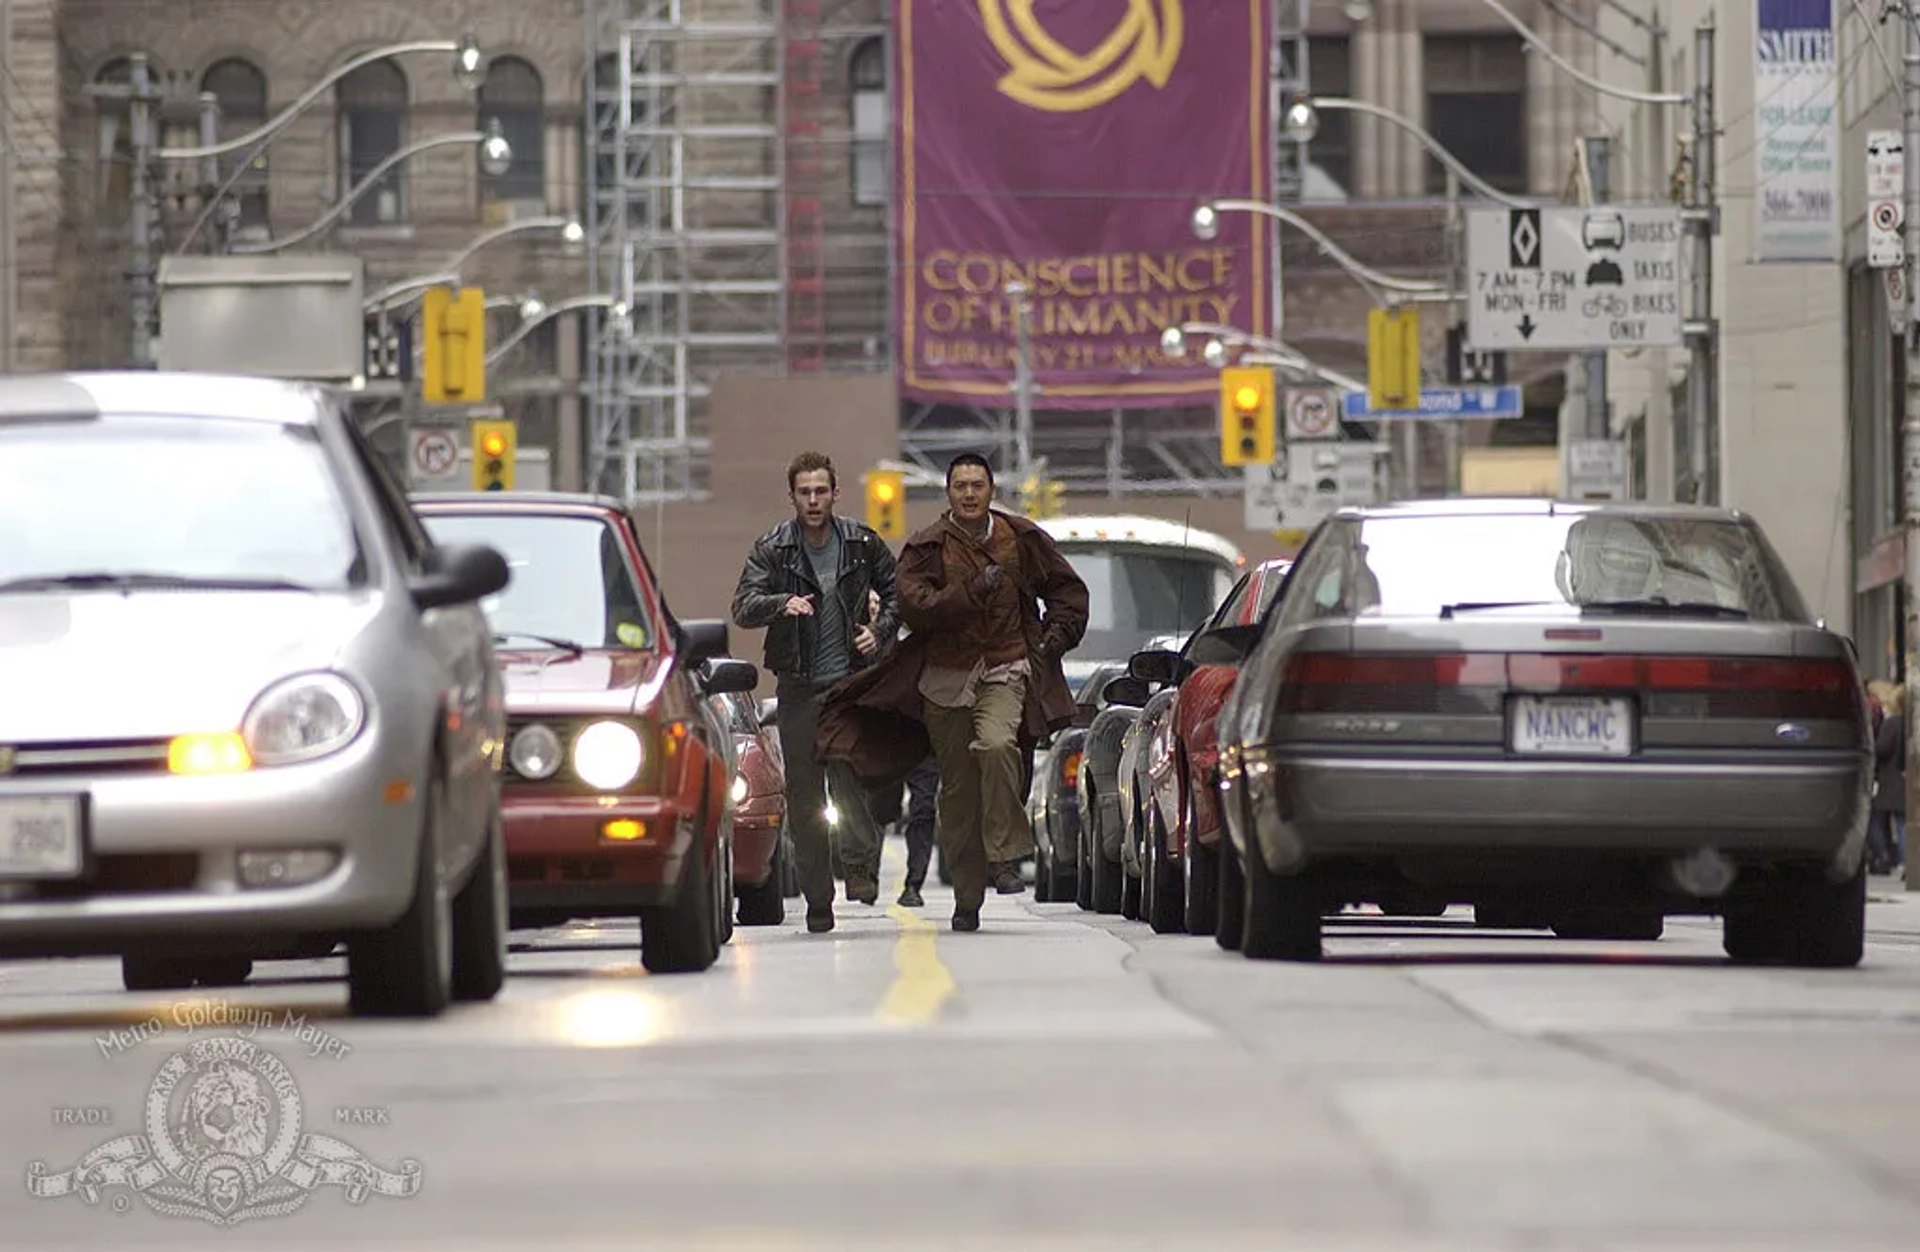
{"x":535,"y":753}
{"x":739,"y":788}
{"x":303,"y":717}
{"x":608,"y":755}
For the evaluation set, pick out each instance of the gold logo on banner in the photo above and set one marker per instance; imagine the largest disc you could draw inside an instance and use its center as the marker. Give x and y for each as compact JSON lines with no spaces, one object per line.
{"x":1045,"y":74}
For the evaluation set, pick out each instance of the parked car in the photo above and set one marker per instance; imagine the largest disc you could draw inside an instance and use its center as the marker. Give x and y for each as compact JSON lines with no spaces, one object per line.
{"x":758,"y":801}
{"x":1102,"y":826}
{"x":1181,"y":826}
{"x":251,"y":710}
{"x":1583,"y":716}
{"x":1054,"y":802}
{"x":1142,"y":739}
{"x":617,"y":791}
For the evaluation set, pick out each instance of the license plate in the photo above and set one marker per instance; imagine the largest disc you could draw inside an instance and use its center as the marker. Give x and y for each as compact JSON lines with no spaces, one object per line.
{"x":1572,"y":726}
{"x":40,"y":837}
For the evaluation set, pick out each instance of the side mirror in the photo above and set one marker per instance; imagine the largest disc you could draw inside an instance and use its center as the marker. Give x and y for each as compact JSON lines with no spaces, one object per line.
{"x":1128,"y":691}
{"x":704,"y":641}
{"x":460,"y":575}
{"x":1158,"y":667}
{"x":1229,"y":645}
{"x":725,"y":677}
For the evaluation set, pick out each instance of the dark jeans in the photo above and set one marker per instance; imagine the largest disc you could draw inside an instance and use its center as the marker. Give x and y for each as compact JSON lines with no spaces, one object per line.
{"x":808,"y":784}
{"x":922,"y":786}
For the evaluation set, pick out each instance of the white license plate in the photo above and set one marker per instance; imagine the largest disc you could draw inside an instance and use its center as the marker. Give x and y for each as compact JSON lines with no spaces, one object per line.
{"x":40,"y":837}
{"x":1572,"y":726}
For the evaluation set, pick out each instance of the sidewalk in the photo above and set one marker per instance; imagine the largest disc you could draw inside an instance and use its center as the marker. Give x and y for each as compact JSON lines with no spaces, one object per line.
{"x":1891,"y":907}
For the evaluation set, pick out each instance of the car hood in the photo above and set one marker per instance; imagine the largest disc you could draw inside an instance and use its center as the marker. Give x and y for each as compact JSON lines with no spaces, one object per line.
{"x":593,"y":682}
{"x":152,"y":664}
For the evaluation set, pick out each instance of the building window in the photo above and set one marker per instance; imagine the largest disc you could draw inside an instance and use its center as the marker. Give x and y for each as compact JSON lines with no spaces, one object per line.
{"x":241,"y":89}
{"x":867,"y":75}
{"x":116,"y":138}
{"x":373,"y":127}
{"x":512,"y":96}
{"x":610,"y":193}
{"x":1330,"y":73}
{"x":1477,"y":108}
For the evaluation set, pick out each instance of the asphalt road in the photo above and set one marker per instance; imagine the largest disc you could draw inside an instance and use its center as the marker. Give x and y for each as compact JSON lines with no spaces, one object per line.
{"x":1055,"y":1081}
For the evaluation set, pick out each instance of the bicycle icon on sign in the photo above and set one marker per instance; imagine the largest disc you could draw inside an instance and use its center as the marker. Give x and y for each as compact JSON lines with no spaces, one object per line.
{"x":1605,"y":305}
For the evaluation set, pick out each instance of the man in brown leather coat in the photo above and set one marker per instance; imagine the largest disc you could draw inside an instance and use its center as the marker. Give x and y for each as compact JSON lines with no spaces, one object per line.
{"x":979,"y":679}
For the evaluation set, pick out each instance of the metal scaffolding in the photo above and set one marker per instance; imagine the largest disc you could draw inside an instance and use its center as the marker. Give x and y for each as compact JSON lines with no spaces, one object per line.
{"x":683,"y":228}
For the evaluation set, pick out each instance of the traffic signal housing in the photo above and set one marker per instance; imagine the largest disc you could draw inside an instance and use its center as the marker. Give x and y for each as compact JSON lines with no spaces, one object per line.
{"x":887,"y":503}
{"x":453,"y":349}
{"x":1247,"y":416}
{"x":1393,"y":359}
{"x":494,"y":446}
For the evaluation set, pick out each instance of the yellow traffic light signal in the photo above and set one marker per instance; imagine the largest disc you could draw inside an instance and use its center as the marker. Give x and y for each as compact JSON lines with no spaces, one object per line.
{"x":1393,"y":359}
{"x":453,"y":349}
{"x":494,"y":445}
{"x":887,"y":503}
{"x":1246,"y":416}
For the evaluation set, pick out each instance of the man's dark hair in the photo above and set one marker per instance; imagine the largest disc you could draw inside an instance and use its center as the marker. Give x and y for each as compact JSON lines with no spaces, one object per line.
{"x":969,"y":458}
{"x":809,"y":462}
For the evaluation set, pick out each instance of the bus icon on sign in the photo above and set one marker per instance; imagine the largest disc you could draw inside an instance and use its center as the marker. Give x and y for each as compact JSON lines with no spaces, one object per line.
{"x":1603,"y":230}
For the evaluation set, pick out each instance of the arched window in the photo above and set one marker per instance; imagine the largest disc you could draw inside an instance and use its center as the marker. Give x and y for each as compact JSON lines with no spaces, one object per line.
{"x":115,"y":152}
{"x":867,"y":76}
{"x":513,"y":97}
{"x":600,"y":136}
{"x":373,"y":126}
{"x":241,"y":89}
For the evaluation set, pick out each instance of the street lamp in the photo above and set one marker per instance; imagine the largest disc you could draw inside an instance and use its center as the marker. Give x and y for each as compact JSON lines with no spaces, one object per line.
{"x":1016,"y":292}
{"x":1301,"y":122}
{"x":571,"y":232}
{"x":1206,"y":227}
{"x":535,"y":312}
{"x":1221,"y":340}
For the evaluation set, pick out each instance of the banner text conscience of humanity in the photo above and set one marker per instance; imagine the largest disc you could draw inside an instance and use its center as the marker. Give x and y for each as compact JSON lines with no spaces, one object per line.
{"x":1089,"y":312}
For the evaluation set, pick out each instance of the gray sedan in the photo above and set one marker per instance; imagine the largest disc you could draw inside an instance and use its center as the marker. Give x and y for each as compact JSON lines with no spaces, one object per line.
{"x":250,"y":710}
{"x":1583,"y":717}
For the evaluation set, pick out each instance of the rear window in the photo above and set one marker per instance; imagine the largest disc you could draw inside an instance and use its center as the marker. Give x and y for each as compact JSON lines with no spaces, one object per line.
{"x":1417,"y":566}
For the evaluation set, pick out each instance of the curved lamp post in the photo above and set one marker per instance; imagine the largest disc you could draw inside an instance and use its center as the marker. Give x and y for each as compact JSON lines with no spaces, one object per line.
{"x":535,"y":314}
{"x":408,"y":289}
{"x":469,"y":69}
{"x":1222,"y":339}
{"x":1206,"y":226}
{"x":496,"y":157}
{"x":1302,"y":123}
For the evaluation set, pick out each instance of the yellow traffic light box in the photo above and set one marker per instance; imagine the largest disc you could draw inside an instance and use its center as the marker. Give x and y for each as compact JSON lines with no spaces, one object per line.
{"x":887,"y":503}
{"x":1247,"y":416}
{"x":453,"y":349}
{"x":1393,"y":359}
{"x":494,"y":446}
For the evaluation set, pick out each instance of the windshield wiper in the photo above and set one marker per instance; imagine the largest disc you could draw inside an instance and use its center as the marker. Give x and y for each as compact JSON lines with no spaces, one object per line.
{"x":1662,"y":605}
{"x":1475,"y":606}
{"x":565,"y":645}
{"x":135,"y":581}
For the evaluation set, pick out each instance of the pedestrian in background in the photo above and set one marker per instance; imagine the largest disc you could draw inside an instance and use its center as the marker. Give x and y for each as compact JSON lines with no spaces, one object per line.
{"x":808,"y":582}
{"x":923,"y":787}
{"x":1887,"y":830}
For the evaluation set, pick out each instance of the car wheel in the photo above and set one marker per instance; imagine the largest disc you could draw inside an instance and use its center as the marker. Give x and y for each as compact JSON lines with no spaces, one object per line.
{"x":723,"y":895}
{"x":1230,"y":923}
{"x":679,"y":938}
{"x":1132,"y":884}
{"x":1201,"y":868}
{"x":1283,"y":914}
{"x":406,"y":970}
{"x":766,"y":904}
{"x":1105,"y":875}
{"x":1163,"y":883}
{"x":480,"y":921}
{"x":1804,"y":920}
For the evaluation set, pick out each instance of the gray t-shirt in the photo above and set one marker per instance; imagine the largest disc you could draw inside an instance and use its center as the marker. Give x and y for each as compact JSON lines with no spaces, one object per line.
{"x":832,"y":649}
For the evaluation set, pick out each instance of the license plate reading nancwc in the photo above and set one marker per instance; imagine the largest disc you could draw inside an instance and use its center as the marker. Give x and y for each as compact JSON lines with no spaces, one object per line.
{"x":40,"y":837}
{"x":1572,"y":726}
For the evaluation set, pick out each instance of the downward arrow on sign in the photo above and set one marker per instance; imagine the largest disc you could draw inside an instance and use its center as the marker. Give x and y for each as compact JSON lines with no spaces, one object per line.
{"x":1527,"y":326}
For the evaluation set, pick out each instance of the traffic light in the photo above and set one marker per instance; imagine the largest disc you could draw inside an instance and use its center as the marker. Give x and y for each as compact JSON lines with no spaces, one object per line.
{"x":453,"y":352}
{"x":887,"y":503}
{"x":1041,"y":496}
{"x":389,"y":352}
{"x":494,"y":445}
{"x":1246,"y":416}
{"x":1393,"y":359}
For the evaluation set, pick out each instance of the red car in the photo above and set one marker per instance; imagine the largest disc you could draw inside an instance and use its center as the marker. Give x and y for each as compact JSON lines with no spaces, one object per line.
{"x":1180,"y":765}
{"x":759,"y":805}
{"x":616,"y":793}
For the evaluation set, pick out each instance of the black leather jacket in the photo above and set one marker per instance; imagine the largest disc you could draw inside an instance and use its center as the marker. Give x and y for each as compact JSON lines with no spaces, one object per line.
{"x":777,"y":569}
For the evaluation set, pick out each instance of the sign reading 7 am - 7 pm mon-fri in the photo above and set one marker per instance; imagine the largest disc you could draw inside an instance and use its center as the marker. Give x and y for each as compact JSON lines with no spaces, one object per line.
{"x":1564,"y":279}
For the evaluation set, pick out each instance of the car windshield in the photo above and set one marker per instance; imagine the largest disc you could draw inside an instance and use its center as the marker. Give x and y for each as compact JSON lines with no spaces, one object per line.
{"x":1136,"y":593}
{"x":571,"y":584}
{"x":1427,"y":566}
{"x":130,"y":500}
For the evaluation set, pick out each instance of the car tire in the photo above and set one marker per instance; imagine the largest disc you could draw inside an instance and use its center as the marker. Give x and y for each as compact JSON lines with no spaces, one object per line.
{"x":1230,"y":922}
{"x":406,"y":970}
{"x":1163,"y":885}
{"x":480,"y":921}
{"x":1201,"y":867}
{"x":1806,"y":921}
{"x":723,"y":895}
{"x":679,"y":938}
{"x":766,"y":904}
{"x":1283,"y":914}
{"x":1104,"y":875}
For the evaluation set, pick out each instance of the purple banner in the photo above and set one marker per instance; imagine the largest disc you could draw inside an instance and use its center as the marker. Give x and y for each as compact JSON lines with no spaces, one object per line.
{"x":1063,"y":145}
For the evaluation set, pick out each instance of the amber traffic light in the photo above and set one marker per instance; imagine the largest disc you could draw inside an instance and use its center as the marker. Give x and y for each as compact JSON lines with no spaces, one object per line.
{"x":887,"y":503}
{"x":494,"y":443}
{"x":1246,"y":416}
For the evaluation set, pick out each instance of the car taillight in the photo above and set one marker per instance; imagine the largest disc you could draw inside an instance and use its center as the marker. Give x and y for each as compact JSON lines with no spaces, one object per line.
{"x":1070,"y":769}
{"x":1336,"y":682}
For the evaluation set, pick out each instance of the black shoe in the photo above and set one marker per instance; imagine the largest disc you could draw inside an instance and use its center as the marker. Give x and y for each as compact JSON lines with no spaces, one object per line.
{"x":819,"y":921}
{"x":1007,"y":880}
{"x":966,"y":919}
{"x":910,"y":897}
{"x":862,"y":891}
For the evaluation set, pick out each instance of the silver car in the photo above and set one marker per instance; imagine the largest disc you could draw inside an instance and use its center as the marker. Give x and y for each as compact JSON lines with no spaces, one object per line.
{"x":1577,"y":716}
{"x":249,"y":710}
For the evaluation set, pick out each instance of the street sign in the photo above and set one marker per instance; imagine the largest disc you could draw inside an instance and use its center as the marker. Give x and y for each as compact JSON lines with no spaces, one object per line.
{"x":1308,"y":482}
{"x":1443,"y":404}
{"x":1562,"y":279}
{"x":1313,"y":413}
{"x":433,"y":454}
{"x":1597,"y":469}
{"x":1471,"y":368}
{"x":1886,"y":199}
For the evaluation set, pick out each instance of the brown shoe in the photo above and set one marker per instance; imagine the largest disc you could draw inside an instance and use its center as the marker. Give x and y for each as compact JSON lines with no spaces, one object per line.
{"x":862,"y":891}
{"x":1007,"y":880}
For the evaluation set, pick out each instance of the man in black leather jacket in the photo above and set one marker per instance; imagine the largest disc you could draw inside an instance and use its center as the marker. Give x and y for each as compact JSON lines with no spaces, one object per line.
{"x":808,"y":582}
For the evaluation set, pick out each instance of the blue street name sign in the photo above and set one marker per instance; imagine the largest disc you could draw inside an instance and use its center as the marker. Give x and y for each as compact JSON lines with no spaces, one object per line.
{"x":1439,"y":403}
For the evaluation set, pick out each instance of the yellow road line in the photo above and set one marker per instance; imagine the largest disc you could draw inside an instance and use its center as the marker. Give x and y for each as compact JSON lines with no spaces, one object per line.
{"x":922,"y":983}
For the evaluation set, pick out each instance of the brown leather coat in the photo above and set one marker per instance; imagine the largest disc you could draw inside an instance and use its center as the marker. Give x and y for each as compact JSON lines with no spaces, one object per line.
{"x":874,"y":719}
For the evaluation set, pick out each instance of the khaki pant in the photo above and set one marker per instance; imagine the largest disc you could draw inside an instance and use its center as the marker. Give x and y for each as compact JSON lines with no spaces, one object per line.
{"x":982,"y":805}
